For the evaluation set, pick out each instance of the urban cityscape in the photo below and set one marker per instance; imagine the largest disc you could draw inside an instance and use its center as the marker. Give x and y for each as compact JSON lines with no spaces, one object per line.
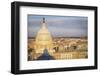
{"x":45,"y":46}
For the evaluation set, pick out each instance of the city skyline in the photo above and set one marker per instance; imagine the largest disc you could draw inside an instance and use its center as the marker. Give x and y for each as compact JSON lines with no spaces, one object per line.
{"x":59,"y":26}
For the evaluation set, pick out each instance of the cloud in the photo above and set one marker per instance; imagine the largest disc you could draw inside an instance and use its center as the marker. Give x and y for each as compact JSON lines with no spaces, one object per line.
{"x":66,"y":26}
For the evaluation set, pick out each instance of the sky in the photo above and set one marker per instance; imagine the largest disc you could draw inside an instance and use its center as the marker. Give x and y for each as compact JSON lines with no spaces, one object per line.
{"x":58,"y":26}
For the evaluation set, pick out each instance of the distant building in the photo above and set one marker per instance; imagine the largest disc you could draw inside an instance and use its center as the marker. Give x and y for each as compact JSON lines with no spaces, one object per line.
{"x":43,"y":39}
